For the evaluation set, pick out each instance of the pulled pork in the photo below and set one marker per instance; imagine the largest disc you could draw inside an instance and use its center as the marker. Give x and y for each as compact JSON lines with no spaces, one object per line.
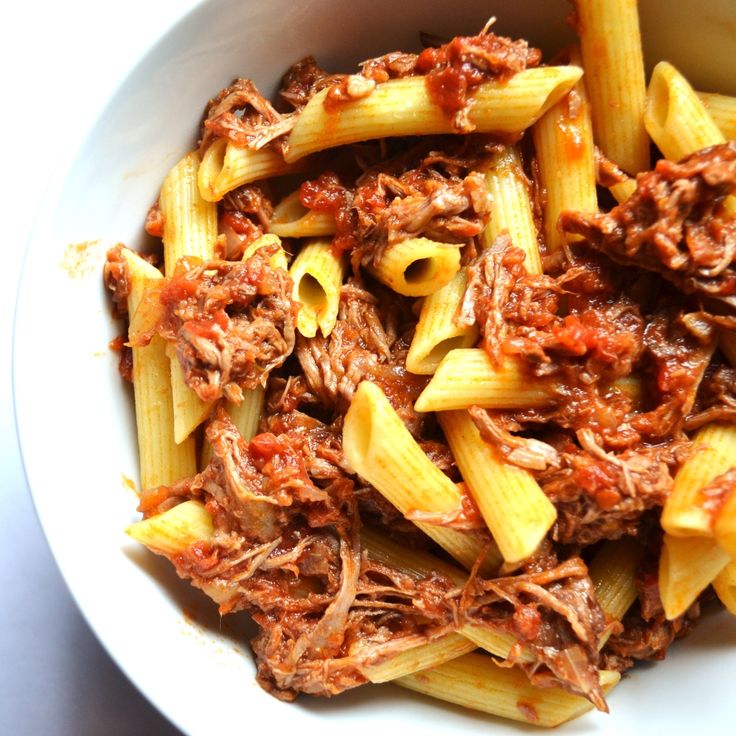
{"x":232,"y":323}
{"x":286,"y":547}
{"x":675,"y":223}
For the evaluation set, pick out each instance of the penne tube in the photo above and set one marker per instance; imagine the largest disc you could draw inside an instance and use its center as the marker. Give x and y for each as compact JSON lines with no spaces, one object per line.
{"x":190,"y":222}
{"x":675,"y":118}
{"x":382,"y":451}
{"x":437,"y":333}
{"x":417,"y":266}
{"x":684,"y":514}
{"x":722,"y":111}
{"x":610,"y":42}
{"x":724,"y":585}
{"x":613,"y":571}
{"x":512,"y":206}
{"x":162,"y":461}
{"x":563,"y":143}
{"x":291,"y":219}
{"x":174,"y":530}
{"x":514,"y":507}
{"x":476,"y":681}
{"x":277,"y":260}
{"x":403,"y":107}
{"x":687,"y":566}
{"x":467,"y":377}
{"x":623,"y":190}
{"x":317,"y":274}
{"x":190,"y":229}
{"x":724,"y":527}
{"x":226,"y":166}
{"x":419,"y":658}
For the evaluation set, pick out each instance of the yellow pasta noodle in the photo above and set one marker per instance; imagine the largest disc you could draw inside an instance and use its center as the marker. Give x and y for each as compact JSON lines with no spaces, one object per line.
{"x":383,"y":452}
{"x":613,"y":570}
{"x":317,"y":274}
{"x":190,"y":229}
{"x":476,"y":681}
{"x":512,"y":207}
{"x":437,"y":332}
{"x":467,"y":376}
{"x":513,"y":505}
{"x":291,"y":219}
{"x":623,"y":190}
{"x":417,"y":266}
{"x":722,"y":111}
{"x":172,"y":531}
{"x":404,"y":107}
{"x":420,"y":658}
{"x":725,"y":586}
{"x":226,"y":166}
{"x":610,"y":41}
{"x":724,"y":527}
{"x":715,"y":453}
{"x":687,"y":566}
{"x":563,"y":143}
{"x":162,"y":461}
{"x":675,"y":118}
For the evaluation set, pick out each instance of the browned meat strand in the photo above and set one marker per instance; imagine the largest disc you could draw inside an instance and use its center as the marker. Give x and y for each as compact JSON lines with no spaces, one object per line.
{"x":232,"y":323}
{"x":244,"y":216}
{"x":423,"y":193}
{"x":367,"y":343}
{"x":117,"y":280}
{"x":257,"y":125}
{"x":675,"y":223}
{"x":716,"y":398}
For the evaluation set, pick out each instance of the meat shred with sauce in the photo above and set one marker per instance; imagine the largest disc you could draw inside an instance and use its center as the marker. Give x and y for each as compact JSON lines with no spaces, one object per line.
{"x":629,"y":356}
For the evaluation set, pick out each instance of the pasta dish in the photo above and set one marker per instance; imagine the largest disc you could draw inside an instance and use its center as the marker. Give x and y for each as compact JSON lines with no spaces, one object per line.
{"x":435,"y":368}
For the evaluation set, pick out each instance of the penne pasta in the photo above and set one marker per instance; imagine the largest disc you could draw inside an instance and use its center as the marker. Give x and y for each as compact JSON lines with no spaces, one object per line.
{"x":676,"y":119}
{"x":437,"y":332}
{"x":724,"y":585}
{"x":563,"y":143}
{"x":610,"y":42}
{"x":623,"y":190}
{"x":715,"y":452}
{"x":317,"y":274}
{"x":291,"y":219}
{"x":513,"y":505}
{"x":162,"y":461}
{"x":190,"y":222}
{"x":190,"y":229}
{"x":380,"y":449}
{"x":417,"y":266}
{"x":467,"y":377}
{"x":174,"y":530}
{"x":512,"y":206}
{"x":613,"y":570}
{"x":419,"y":658}
{"x":476,"y":681}
{"x":722,"y":111}
{"x":226,"y":166}
{"x":724,"y":527}
{"x":687,"y":566}
{"x":403,"y":107}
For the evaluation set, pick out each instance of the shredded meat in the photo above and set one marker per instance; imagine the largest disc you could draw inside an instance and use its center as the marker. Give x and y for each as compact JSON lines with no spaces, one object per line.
{"x":675,"y":224}
{"x":244,"y":216}
{"x":423,"y":193}
{"x":232,"y":323}
{"x":244,"y":116}
{"x":716,"y":398}
{"x":117,"y":280}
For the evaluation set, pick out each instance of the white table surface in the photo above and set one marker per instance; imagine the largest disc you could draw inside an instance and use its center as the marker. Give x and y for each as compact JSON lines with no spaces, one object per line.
{"x":59,"y":62}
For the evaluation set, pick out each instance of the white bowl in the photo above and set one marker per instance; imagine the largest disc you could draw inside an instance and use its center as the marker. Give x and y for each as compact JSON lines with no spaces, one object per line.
{"x":75,"y":416}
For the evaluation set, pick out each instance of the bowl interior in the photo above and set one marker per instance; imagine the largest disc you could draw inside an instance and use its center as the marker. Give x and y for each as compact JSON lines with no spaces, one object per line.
{"x":79,"y":447}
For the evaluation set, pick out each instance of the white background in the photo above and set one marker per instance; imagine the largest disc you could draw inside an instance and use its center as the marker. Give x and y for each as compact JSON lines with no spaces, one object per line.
{"x":59,"y":63}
